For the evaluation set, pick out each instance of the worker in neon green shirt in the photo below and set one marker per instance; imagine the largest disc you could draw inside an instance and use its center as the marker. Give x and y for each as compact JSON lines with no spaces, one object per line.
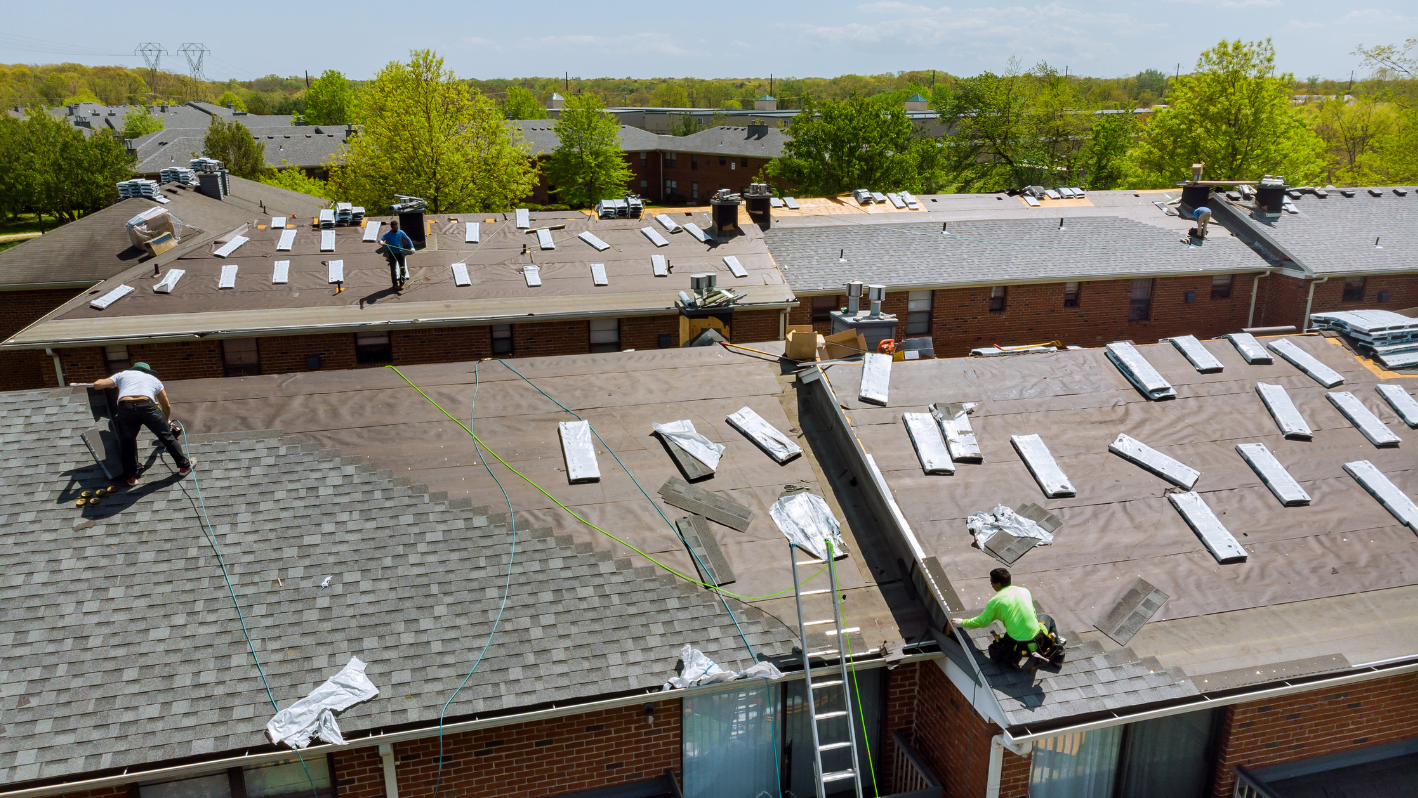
{"x":1014,"y":607}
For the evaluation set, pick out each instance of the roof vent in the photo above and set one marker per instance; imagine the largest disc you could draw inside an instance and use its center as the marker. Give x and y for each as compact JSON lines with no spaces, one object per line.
{"x":1270,"y":196}
{"x":1373,"y":192}
{"x":1402,"y":192}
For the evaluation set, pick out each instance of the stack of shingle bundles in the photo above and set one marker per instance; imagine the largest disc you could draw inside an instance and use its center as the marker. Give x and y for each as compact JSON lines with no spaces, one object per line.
{"x":327,"y":218}
{"x":177,"y":174}
{"x":634,"y":208}
{"x":343,"y":212}
{"x":862,"y":196}
{"x":205,"y":164}
{"x":1139,"y":372}
{"x":357,"y":215}
{"x":1390,"y":338}
{"x":138,"y":188}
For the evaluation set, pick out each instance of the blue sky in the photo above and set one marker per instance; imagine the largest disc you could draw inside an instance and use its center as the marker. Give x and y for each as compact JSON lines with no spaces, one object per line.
{"x":827,"y":37}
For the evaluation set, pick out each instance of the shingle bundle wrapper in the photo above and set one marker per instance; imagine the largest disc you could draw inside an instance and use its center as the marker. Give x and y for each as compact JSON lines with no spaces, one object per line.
{"x":986,"y":525}
{"x":699,"y":670}
{"x":314,"y":715}
{"x":807,"y":522}
{"x":1139,"y":372}
{"x":698,"y":446}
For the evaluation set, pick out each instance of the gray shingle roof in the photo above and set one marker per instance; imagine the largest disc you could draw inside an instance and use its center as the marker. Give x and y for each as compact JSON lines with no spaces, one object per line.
{"x":1336,"y":235}
{"x":758,"y":142}
{"x":540,"y":134}
{"x":122,"y":646}
{"x":994,"y":252}
{"x":298,"y":146}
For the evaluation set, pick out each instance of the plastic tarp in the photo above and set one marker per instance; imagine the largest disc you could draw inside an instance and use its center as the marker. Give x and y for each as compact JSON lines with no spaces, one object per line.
{"x":580,"y":451}
{"x":314,"y":715}
{"x":698,"y":446}
{"x":699,"y":670}
{"x":152,"y":224}
{"x":807,"y":522}
{"x":986,"y":525}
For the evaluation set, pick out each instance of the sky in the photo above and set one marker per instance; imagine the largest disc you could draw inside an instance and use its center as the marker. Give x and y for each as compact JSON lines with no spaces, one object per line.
{"x":1104,"y":38}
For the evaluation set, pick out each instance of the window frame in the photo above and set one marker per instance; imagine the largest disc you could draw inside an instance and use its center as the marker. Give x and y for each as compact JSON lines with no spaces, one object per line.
{"x":671,"y":160}
{"x":507,"y":350}
{"x":117,"y":364}
{"x":693,"y":161}
{"x":235,"y":367}
{"x":1140,"y":308}
{"x":919,"y":315}
{"x":822,"y":311}
{"x":607,"y":345}
{"x":1075,"y":298}
{"x":1355,"y":292}
{"x":998,"y":299}
{"x":373,"y":353}
{"x":1222,"y":290}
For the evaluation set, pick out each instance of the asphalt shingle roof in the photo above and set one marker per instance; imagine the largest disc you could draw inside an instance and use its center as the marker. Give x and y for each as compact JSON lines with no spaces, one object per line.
{"x":994,"y":252}
{"x":541,"y":135}
{"x":122,"y":646}
{"x":1337,"y":234}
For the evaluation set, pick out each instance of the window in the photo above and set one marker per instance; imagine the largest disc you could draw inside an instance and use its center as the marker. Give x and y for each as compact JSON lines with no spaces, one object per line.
{"x":605,"y":335}
{"x":694,"y":191}
{"x":1072,"y":292}
{"x":998,"y":296}
{"x":671,"y":186}
{"x":732,"y":165}
{"x":728,"y":745}
{"x":373,"y":348}
{"x":643,"y":157}
{"x":693,"y":161}
{"x":216,"y":786}
{"x":1189,"y":297}
{"x":663,"y":340}
{"x":116,"y":358}
{"x":671,"y":159}
{"x":1158,"y":758}
{"x":918,"y":312}
{"x":1079,"y":765}
{"x":644,"y":185}
{"x":288,"y":779}
{"x":312,"y":362}
{"x":722,"y":160}
{"x":797,"y":731}
{"x":1383,"y":296}
{"x":822,"y":307}
{"x":502,"y":340}
{"x":1354,"y":289}
{"x":1140,"y":306}
{"x":743,"y":162}
{"x":240,"y":357}
{"x":1221,"y":286}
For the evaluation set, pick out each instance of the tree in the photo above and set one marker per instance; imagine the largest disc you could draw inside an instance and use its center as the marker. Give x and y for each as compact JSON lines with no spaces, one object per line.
{"x":16,"y":167}
{"x":1352,"y":132}
{"x":1234,"y":115}
{"x":230,"y":100}
{"x":840,"y":145}
{"x":1109,"y":140}
{"x":57,"y":170}
{"x":233,"y":145}
{"x":429,"y":134}
{"x":295,"y":179}
{"x":669,"y":95}
{"x":522,"y":104}
{"x":140,"y":122}
{"x":587,"y":165}
{"x":330,"y":100}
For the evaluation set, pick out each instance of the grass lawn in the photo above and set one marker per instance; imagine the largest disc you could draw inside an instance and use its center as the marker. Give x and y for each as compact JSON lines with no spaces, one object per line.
{"x":4,"y":245}
{"x":26,"y":223}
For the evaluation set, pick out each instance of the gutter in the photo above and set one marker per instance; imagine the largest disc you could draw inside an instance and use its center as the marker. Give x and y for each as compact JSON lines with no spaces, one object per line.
{"x":997,"y":745}
{"x":1309,"y":300}
{"x":1255,"y":286}
{"x":380,"y":740}
{"x":79,"y":284}
{"x":802,"y":292}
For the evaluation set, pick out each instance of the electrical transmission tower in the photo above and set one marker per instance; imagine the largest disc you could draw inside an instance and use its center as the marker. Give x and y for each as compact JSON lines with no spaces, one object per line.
{"x":195,"y":53}
{"x":152,"y":54}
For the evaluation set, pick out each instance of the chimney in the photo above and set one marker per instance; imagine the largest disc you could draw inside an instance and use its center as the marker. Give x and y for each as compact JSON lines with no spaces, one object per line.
{"x":765,"y":103}
{"x":1270,"y":196}
{"x":757,"y":128}
{"x":760,"y":205}
{"x":556,"y":102}
{"x":724,"y":214}
{"x":917,"y":103}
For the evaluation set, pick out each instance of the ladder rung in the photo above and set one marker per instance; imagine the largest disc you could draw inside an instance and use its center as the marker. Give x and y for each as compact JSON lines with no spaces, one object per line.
{"x":817,"y":623}
{"x":828,"y":715}
{"x":839,"y":775}
{"x":847,"y":631}
{"x":814,"y":592}
{"x":831,"y":683}
{"x":834,"y":746}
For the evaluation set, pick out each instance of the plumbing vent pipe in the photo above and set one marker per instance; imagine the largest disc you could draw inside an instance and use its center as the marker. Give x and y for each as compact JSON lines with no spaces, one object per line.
{"x":876,"y":293}
{"x":854,"y":297}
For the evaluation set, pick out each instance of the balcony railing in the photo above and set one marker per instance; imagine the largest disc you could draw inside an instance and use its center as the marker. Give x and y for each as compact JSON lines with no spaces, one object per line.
{"x":910,"y":778}
{"x":1248,"y":786}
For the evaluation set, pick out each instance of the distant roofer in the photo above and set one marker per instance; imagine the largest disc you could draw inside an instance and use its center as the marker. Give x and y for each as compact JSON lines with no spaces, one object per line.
{"x":142,"y":402}
{"x":398,"y":245}
{"x":1025,"y":632}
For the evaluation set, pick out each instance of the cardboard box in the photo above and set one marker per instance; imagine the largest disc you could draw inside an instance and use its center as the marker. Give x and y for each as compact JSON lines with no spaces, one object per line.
{"x":160,"y":244}
{"x":855,"y":344}
{"x":803,"y":343}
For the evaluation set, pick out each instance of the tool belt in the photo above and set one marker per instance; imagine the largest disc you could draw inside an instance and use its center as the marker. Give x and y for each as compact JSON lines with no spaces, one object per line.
{"x":1014,"y":654}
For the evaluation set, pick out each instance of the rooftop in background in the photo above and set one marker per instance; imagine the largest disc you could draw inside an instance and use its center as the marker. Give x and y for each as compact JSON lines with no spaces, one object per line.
{"x":586,"y":618}
{"x":498,"y":294}
{"x":1348,"y":231}
{"x":308,"y":146}
{"x":1327,"y":588}
{"x":96,"y":247}
{"x":752,"y":142}
{"x":541,"y":135}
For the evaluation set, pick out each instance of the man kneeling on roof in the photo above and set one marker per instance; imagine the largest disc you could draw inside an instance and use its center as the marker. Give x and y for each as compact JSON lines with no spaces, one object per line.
{"x":1026,"y":634}
{"x":142,"y":402}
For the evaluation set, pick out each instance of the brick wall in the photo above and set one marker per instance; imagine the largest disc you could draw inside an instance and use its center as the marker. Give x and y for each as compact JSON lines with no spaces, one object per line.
{"x":83,"y":364}
{"x":538,"y":338}
{"x":649,"y":172}
{"x":710,"y":175}
{"x":286,"y":353}
{"x":19,"y":309}
{"x":1282,"y":298}
{"x":902,"y":686}
{"x":440,"y":345}
{"x":359,"y":773}
{"x":955,"y":741}
{"x":643,"y":332}
{"x":532,"y":760}
{"x":1315,"y":724}
{"x":755,"y":325}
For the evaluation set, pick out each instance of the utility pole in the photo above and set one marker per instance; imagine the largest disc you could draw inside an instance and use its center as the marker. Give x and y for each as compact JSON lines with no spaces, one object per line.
{"x":307,"y":80}
{"x":152,"y":54}
{"x":567,"y":86}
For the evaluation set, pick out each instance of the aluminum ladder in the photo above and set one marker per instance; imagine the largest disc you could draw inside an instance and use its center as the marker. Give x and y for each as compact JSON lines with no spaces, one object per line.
{"x":820,"y":778}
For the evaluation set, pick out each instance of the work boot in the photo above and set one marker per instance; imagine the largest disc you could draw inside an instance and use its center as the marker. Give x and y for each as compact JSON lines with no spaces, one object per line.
{"x":187,"y":469}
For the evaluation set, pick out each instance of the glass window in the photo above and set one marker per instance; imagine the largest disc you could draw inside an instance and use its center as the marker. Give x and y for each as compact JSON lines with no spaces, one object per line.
{"x":240,"y":357}
{"x":1072,"y":292}
{"x":743,"y":162}
{"x":722,"y":160}
{"x":643,"y":157}
{"x":1082,"y":765}
{"x":797,"y":732}
{"x":998,"y":296}
{"x":216,"y":786}
{"x":822,"y":307}
{"x":116,"y":358}
{"x":729,"y":742}
{"x":671,"y":186}
{"x":694,"y":191}
{"x":502,"y":339}
{"x":373,"y":348}
{"x":918,"y":312}
{"x":288,"y":778}
{"x":671,"y":159}
{"x":1383,"y":296}
{"x":605,"y":335}
{"x":693,"y":161}
{"x":1221,"y":286}
{"x":1167,"y":757}
{"x":1354,"y":289}
{"x":1140,"y":306}
{"x":644,"y":185}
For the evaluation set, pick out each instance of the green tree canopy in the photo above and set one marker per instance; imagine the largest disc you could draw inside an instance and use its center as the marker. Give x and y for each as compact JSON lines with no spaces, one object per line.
{"x":229,"y":99}
{"x":330,"y":100}
{"x":587,"y":165}
{"x":49,"y":167}
{"x":1233,"y":114}
{"x":233,"y":145}
{"x":669,"y":95}
{"x":140,"y":122}
{"x":294,"y":178}
{"x":429,"y":134}
{"x":522,"y":104}
{"x":841,"y":145}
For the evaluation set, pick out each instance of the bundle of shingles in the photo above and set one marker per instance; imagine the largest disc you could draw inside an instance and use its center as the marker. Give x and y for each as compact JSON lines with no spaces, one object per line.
{"x":1388,"y":337}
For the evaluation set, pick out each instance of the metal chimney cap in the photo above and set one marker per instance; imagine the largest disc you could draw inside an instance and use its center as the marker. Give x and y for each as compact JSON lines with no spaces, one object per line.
{"x":876,"y":292}
{"x":854,"y":288}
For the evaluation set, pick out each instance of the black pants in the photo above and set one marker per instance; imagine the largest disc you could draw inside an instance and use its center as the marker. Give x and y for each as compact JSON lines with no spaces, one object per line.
{"x":133,"y":416}
{"x":398,"y":267}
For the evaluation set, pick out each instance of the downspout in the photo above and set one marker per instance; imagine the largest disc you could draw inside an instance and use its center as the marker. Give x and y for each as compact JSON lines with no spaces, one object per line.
{"x":997,"y":745}
{"x":391,"y":780}
{"x":58,"y":367}
{"x":1305,"y":321}
{"x":783,"y":324}
{"x":1255,"y":286}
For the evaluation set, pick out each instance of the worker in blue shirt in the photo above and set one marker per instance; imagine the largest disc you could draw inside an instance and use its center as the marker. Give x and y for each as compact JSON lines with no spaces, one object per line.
{"x":397,"y":245}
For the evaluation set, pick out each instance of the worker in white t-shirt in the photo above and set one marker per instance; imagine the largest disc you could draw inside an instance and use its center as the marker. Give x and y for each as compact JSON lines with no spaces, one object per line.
{"x":142,"y":402}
